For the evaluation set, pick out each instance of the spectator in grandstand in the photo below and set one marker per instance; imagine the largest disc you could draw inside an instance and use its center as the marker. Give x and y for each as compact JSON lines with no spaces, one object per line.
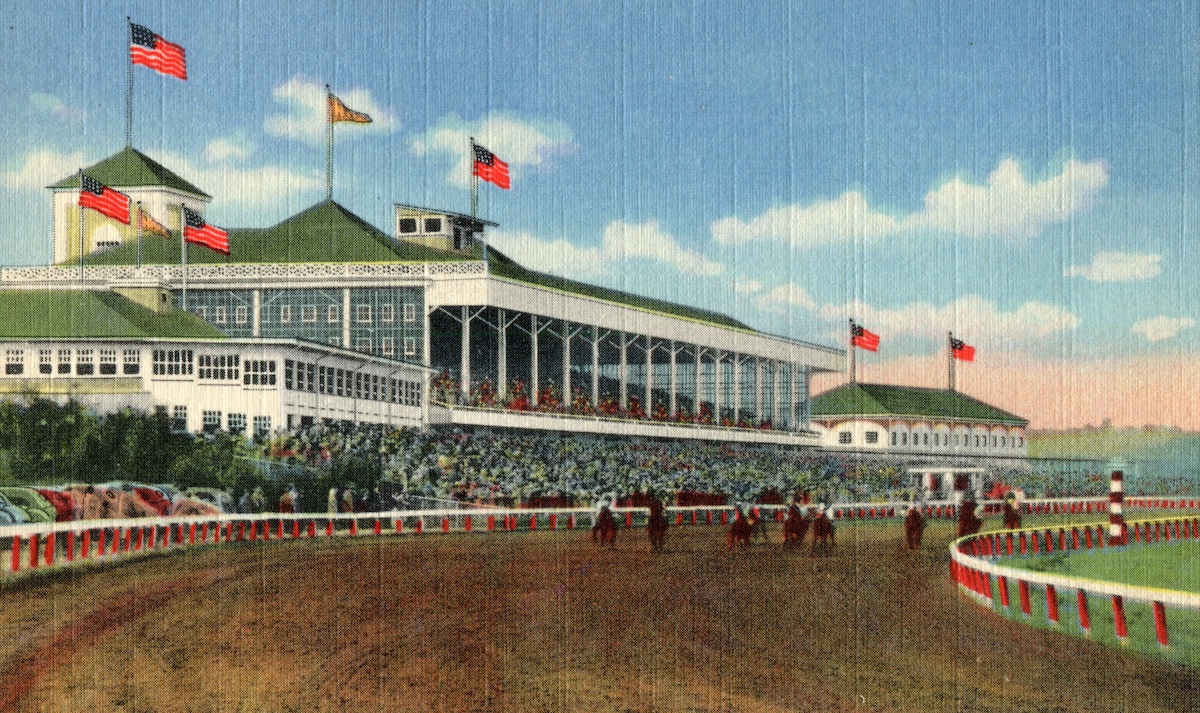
{"x":287,"y":501}
{"x":258,"y":500}
{"x":331,"y":504}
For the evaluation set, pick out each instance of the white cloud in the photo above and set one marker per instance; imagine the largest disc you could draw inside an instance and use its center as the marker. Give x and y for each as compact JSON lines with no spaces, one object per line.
{"x":305,"y":119}
{"x":226,"y":147}
{"x":261,"y":186}
{"x":1160,"y":328}
{"x":746,"y":287}
{"x":843,"y":219}
{"x":971,"y":317}
{"x":621,"y":242}
{"x":1007,"y":206}
{"x":515,"y":141}
{"x":1118,"y":267}
{"x":786,"y":297}
{"x":42,"y":168}
{"x":50,"y":104}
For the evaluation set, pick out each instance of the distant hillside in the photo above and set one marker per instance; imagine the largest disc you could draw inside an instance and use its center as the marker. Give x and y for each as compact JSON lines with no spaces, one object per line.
{"x":1159,"y":459}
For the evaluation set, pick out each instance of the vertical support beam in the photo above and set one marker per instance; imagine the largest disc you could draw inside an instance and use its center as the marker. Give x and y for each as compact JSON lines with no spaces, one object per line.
{"x":699,"y":385}
{"x":501,"y":354}
{"x":566,"y":365}
{"x":758,"y":390}
{"x":533,"y":360}
{"x":673,"y":377}
{"x":737,"y":387}
{"x":595,"y":367}
{"x":776,"y":393}
{"x":623,"y":374}
{"x":346,"y":318}
{"x":465,"y":357}
{"x":718,"y":365}
{"x":648,"y":405}
{"x":256,"y":312}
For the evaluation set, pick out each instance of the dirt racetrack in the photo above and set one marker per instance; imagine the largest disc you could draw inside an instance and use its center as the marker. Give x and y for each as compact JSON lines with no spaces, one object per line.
{"x":547,"y":622}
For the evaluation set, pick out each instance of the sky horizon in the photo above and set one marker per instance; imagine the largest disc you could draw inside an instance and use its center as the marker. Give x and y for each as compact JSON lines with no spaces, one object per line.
{"x":1020,"y":175}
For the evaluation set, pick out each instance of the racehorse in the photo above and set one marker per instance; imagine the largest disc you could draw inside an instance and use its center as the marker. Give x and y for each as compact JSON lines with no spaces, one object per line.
{"x":604,"y":532}
{"x":656,"y":526}
{"x":969,"y":522}
{"x":1012,"y":516}
{"x":822,"y":533}
{"x":740,"y":531}
{"x":914,"y":527}
{"x":795,"y":527}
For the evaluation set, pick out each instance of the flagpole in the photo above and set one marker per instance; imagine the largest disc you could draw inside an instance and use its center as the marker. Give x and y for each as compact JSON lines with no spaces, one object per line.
{"x":139,"y":233}
{"x":853,"y":365}
{"x":328,"y":144}
{"x":474,"y":182}
{"x":82,"y":218}
{"x":183,"y":252}
{"x":950,"y":361}
{"x":129,"y":89}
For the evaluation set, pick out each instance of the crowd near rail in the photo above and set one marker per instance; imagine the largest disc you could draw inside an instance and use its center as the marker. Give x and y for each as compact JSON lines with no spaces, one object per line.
{"x":1020,"y":593}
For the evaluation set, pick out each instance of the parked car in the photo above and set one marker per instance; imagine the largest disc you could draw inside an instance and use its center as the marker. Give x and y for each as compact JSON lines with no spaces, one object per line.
{"x":65,"y":507}
{"x":11,"y":514}
{"x":38,"y":508}
{"x":220,"y":499}
{"x":154,"y":497}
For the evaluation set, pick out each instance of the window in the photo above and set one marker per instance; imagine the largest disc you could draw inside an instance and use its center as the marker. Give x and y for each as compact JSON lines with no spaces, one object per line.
{"x":364,"y":345}
{"x":202,"y":312}
{"x":105,"y":244}
{"x":993,"y":441}
{"x":333,"y":314}
{"x":262,"y":426}
{"x":241,"y":315}
{"x":904,"y":439}
{"x":85,"y":362}
{"x":924,"y":439}
{"x":844,"y":437}
{"x":108,"y":361}
{"x":132,"y":361}
{"x":433,"y":225}
{"x":872,"y":436}
{"x":258,"y":373}
{"x":285,"y":314}
{"x":64,"y":361}
{"x":408,"y":225}
{"x":14,"y":361}
{"x":179,"y":419}
{"x":218,"y":367}
{"x":387,"y":346}
{"x":219,"y":315}
{"x":410,"y":346}
{"x":894,"y":438}
{"x":236,"y":423}
{"x":1004,"y":441}
{"x":172,"y":362}
{"x":308,"y":313}
{"x":410,"y":312}
{"x":46,"y":361}
{"x":289,"y":374}
{"x":211,"y":421}
{"x":362,"y":314}
{"x":387,"y":313}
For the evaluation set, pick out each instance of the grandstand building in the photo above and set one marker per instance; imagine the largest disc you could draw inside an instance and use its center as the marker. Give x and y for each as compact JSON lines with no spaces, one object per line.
{"x":917,"y":425}
{"x":425,"y":326}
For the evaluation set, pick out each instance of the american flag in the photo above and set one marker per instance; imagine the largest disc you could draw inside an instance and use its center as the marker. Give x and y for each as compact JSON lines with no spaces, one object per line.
{"x":861,"y":337}
{"x":490,"y":168}
{"x":151,"y":50}
{"x":195,"y":230}
{"x":102,"y":199}
{"x":962,"y":350}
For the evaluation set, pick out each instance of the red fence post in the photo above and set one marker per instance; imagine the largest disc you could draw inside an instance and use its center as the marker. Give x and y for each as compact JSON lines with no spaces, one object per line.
{"x":1002,"y":584}
{"x":1160,"y":624}
{"x":48,"y":555}
{"x":553,"y":521}
{"x":571,"y":522}
{"x":16,"y":553}
{"x":1085,"y":618}
{"x":379,"y":526}
{"x":33,"y":550}
{"x":491,"y":526}
{"x":445,"y":524}
{"x":1052,"y":604}
{"x":329,"y":528}
{"x":1023,"y":591}
{"x":533,"y":521}
{"x":353,"y":526}
{"x":1119,"y":619}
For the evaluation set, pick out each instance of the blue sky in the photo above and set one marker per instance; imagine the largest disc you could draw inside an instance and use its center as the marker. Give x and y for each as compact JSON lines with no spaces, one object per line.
{"x":1021,"y":173}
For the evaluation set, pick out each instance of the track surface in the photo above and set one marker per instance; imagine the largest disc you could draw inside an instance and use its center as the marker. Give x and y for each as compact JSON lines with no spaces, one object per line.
{"x":547,"y":622}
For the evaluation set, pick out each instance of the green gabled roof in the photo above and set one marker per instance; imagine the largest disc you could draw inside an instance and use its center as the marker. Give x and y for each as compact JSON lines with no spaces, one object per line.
{"x":60,"y":314}
{"x":130,"y":168}
{"x":324,"y":233}
{"x":901,"y":401}
{"x":500,"y":264}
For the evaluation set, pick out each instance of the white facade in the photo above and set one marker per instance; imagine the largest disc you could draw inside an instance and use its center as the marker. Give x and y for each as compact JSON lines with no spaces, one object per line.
{"x":922,"y":437}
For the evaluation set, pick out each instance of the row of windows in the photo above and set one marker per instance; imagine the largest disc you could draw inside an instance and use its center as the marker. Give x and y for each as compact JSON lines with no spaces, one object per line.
{"x":210,"y":422}
{"x":332,"y":381}
{"x":939,"y":439}
{"x":81,"y":362}
{"x":363,"y":314}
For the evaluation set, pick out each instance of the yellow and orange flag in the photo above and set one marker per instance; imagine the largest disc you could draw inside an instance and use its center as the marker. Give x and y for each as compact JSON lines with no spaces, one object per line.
{"x":340,"y":112}
{"x":150,"y":225}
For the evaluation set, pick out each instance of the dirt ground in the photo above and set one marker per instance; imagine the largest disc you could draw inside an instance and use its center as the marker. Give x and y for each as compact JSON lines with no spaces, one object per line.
{"x":547,"y":622}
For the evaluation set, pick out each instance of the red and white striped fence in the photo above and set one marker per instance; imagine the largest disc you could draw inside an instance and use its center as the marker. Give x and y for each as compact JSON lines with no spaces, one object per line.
{"x":973,"y":569}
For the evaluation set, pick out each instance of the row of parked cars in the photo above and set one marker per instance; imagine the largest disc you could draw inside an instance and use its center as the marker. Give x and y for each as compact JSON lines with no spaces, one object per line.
{"x":118,"y":499}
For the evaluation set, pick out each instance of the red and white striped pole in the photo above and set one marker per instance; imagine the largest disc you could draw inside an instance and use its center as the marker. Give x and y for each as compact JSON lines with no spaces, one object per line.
{"x":1116,"y":518}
